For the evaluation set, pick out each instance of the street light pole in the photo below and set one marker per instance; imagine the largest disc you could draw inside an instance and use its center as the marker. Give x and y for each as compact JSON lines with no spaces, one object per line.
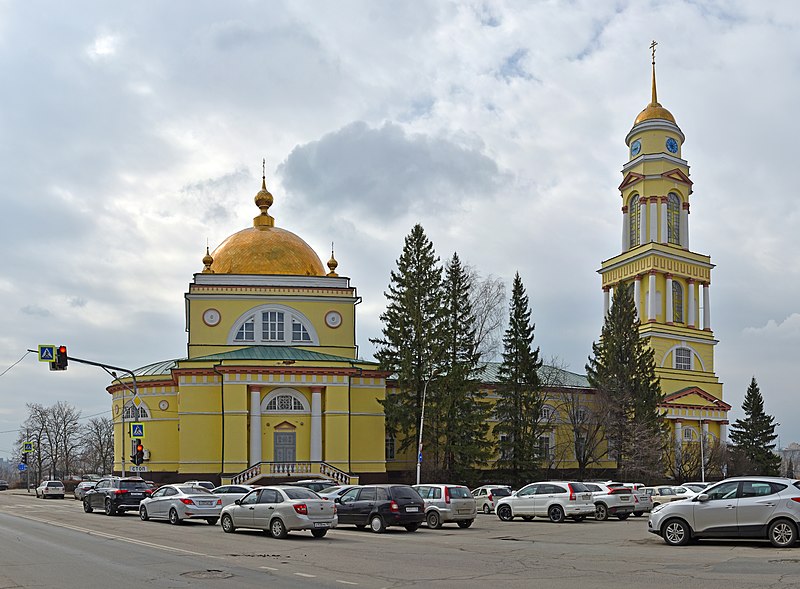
{"x":421,"y":424}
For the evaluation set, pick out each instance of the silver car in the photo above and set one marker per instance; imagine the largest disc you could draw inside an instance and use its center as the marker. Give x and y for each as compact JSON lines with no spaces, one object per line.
{"x":180,"y":502}
{"x":230,"y":493}
{"x":447,"y":503}
{"x":555,"y":500}
{"x":741,"y":507}
{"x":80,"y":490}
{"x":279,"y":510}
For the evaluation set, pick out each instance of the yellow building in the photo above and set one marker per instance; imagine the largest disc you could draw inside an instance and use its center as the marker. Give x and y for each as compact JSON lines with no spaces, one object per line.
{"x":271,"y":387}
{"x":670,"y":283}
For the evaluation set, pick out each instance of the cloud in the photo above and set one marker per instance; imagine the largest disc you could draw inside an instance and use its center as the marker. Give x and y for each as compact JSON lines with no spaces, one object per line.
{"x":35,"y":310}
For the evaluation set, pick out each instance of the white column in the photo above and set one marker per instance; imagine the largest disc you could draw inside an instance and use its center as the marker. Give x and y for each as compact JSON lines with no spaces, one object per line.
{"x":653,"y":229}
{"x":706,"y":307}
{"x":723,"y":432}
{"x":691,"y":304}
{"x":668,"y":299}
{"x":678,"y":441}
{"x":637,"y":295}
{"x":316,"y":424}
{"x":626,"y":230}
{"x":606,"y":305}
{"x":663,"y":223}
{"x":642,"y":221}
{"x":651,"y":297}
{"x":685,"y":225}
{"x":255,"y":426}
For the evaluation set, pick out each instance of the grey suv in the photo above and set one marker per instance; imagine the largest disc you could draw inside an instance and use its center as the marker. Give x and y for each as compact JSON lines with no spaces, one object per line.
{"x":447,"y":503}
{"x":742,"y":507}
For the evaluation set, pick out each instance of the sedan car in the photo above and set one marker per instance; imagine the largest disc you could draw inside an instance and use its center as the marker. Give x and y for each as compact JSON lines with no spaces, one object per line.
{"x":331,"y":493}
{"x":742,"y":507}
{"x":555,"y":500}
{"x":230,"y":493}
{"x":180,"y":502}
{"x":279,"y":510}
{"x":82,"y":488}
{"x":380,"y":506}
{"x":50,"y":489}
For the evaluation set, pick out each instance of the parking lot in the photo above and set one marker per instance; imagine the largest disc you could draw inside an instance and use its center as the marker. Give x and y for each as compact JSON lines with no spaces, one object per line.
{"x":504,"y":554}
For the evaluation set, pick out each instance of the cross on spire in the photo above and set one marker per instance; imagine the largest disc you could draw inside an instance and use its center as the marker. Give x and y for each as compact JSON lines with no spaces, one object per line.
{"x":653,"y":49}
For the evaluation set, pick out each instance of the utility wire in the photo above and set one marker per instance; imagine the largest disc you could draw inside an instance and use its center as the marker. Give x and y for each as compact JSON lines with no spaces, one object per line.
{"x":15,"y":363}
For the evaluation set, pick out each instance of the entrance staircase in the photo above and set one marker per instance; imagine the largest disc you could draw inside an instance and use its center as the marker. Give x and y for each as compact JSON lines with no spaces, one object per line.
{"x":290,"y":470}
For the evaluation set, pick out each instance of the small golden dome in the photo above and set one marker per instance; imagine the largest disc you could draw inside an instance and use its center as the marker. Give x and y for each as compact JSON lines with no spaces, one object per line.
{"x":332,"y":265}
{"x":207,"y":261}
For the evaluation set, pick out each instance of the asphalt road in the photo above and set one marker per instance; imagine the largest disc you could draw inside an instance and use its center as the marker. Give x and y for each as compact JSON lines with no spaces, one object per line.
{"x":52,"y":543}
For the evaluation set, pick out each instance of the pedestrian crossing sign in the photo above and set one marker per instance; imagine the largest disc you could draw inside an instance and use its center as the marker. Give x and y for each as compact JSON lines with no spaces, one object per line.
{"x":137,"y":430}
{"x":47,"y":353}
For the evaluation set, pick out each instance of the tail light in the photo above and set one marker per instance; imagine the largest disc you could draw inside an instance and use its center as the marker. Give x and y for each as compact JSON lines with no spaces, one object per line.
{"x":187,"y":501}
{"x":796,"y":499}
{"x":571,"y":492}
{"x":447,"y":494}
{"x":620,"y":491}
{"x":148,"y":491}
{"x":301,"y":508}
{"x":335,"y":511}
{"x":490,"y":498}
{"x":394,"y":506}
{"x":219,"y":501}
{"x":120,"y":491}
{"x":635,"y":499}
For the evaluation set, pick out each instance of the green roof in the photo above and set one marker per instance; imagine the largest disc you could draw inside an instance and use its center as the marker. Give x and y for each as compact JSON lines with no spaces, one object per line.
{"x":549,"y":375}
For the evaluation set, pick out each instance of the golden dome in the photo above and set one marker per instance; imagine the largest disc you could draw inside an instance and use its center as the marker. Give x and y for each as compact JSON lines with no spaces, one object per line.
{"x":264,"y":248}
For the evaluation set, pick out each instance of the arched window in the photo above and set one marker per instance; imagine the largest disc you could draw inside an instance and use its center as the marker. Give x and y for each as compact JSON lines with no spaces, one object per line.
{"x":633,"y":220}
{"x":689,"y":435}
{"x":274,"y":325}
{"x":285,"y":404}
{"x":134,"y":413}
{"x":246,"y":332}
{"x":677,"y":302}
{"x":673,"y":219}
{"x":683,"y":358}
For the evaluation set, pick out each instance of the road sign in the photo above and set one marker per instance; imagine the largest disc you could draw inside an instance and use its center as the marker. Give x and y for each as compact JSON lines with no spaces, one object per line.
{"x":419,"y":457}
{"x":137,"y":430}
{"x":22,"y":467}
{"x":27,"y":446}
{"x":140,"y":468}
{"x":47,"y":353}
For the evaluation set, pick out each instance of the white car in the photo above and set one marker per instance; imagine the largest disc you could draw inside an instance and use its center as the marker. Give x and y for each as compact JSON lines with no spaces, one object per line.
{"x":613,"y":499}
{"x":555,"y":500}
{"x":230,"y":493}
{"x":486,"y":495}
{"x":50,"y":489}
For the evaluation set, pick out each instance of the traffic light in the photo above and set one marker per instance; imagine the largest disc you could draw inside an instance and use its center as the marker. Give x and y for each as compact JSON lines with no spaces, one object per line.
{"x":60,"y":362}
{"x":137,"y":451}
{"x":24,"y":458}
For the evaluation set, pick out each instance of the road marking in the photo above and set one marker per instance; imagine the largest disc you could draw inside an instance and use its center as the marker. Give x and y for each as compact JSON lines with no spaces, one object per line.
{"x":269,"y":568}
{"x":305,"y":575}
{"x":345,"y":582}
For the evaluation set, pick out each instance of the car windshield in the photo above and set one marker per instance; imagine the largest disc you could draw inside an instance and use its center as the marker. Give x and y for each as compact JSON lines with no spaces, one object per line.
{"x":133,"y":485}
{"x":300,"y":493}
{"x":579,"y":488}
{"x":55,"y":484}
{"x":501,"y":492}
{"x":401,"y":492}
{"x":460,"y":493}
{"x":330,"y":489}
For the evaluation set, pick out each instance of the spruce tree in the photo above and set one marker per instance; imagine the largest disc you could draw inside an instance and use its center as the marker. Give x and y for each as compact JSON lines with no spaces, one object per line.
{"x":411,"y":342}
{"x":520,"y":400}
{"x":461,"y":409}
{"x":622,"y":368}
{"x":754,"y":436}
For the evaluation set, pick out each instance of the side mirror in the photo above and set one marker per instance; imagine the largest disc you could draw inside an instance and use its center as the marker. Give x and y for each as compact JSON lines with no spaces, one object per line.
{"x":238,"y":502}
{"x":702,"y":498}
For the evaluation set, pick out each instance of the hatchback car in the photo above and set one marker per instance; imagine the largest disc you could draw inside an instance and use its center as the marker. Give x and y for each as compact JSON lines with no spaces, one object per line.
{"x":230,"y":493}
{"x":612,"y":499}
{"x":82,"y":488}
{"x":279,"y":510}
{"x":555,"y":500}
{"x":662,"y":494}
{"x":331,"y":493}
{"x":380,"y":506}
{"x":742,"y":507}
{"x":486,"y":495}
{"x":447,"y":503}
{"x":180,"y":502}
{"x":116,"y":495}
{"x":50,"y":489}
{"x":3,"y":485}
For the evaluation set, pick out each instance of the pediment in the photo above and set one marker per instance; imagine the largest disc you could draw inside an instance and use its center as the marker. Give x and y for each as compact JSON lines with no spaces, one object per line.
{"x":631,"y":179}
{"x":677,"y":175}
{"x":694,"y":397}
{"x":285,"y":426}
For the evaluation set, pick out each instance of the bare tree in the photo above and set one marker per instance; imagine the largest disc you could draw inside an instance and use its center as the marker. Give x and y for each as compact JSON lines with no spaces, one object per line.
{"x":488,"y":298}
{"x":584,"y":414}
{"x":97,"y":445}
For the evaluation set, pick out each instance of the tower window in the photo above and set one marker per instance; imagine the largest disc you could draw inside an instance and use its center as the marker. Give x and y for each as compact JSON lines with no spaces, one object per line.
{"x":246,"y":332}
{"x":272,"y":326}
{"x":677,"y":302}
{"x":673,"y":219}
{"x":683,"y":358}
{"x":633,"y":220}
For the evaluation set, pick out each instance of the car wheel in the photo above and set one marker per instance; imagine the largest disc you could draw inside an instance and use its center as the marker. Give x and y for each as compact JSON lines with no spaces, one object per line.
{"x":579,"y":518}
{"x":486,"y":509}
{"x":376,"y":524}
{"x":319,"y":533}
{"x":173,"y":517}
{"x":109,"y":508}
{"x":278,"y":529}
{"x":87,"y":507}
{"x":212,"y":521}
{"x":412,"y":527}
{"x":227,"y":524}
{"x":465,"y":523}
{"x":782,"y":533}
{"x":433,"y":520}
{"x":528,"y":518}
{"x":143,"y":513}
{"x":623,"y":516}
{"x":504,"y":513}
{"x":556,"y":514}
{"x":601,"y":512}
{"x":676,"y":532}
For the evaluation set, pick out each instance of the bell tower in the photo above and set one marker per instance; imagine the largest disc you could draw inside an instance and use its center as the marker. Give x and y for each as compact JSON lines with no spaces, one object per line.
{"x":670,"y":283}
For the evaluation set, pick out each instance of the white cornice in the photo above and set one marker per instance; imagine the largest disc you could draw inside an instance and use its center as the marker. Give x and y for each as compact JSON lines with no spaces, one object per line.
{"x":272,"y":280}
{"x":654,"y":157}
{"x":653,"y":125}
{"x":276,"y":297}
{"x":677,"y":337}
{"x":649,"y":251}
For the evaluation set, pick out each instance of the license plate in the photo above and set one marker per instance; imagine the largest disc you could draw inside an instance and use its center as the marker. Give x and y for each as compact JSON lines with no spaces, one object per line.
{"x":464,"y":511}
{"x":412,"y":509}
{"x":624,"y":499}
{"x":586,"y":496}
{"x":322,"y":525}
{"x":136,"y":494}
{"x":206,"y":503}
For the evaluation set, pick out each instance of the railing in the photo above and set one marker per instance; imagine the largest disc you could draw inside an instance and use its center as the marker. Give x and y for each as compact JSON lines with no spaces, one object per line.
{"x":293,"y":469}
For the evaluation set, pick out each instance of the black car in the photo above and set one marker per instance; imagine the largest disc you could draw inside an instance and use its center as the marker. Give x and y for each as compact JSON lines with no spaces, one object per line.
{"x":3,"y":485}
{"x":380,"y":506}
{"x":116,"y":495}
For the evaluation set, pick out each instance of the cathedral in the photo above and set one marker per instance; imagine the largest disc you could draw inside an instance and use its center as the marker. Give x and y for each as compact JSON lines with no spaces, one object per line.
{"x":271,"y":387}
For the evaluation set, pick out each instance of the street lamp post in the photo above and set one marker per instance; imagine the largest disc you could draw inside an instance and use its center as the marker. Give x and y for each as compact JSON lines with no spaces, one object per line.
{"x":421,"y":425}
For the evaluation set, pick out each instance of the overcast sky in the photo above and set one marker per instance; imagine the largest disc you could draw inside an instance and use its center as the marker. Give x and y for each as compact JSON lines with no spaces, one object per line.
{"x":132,"y":135}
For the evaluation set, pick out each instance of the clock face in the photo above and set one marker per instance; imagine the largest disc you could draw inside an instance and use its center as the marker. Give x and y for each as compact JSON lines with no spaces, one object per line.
{"x":636,"y":147}
{"x":333,"y":319}
{"x":672,"y":145}
{"x":211,"y":317}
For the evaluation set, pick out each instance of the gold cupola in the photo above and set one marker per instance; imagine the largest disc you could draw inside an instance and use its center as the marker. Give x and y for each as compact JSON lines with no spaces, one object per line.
{"x":264,"y":248}
{"x":654,"y":110}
